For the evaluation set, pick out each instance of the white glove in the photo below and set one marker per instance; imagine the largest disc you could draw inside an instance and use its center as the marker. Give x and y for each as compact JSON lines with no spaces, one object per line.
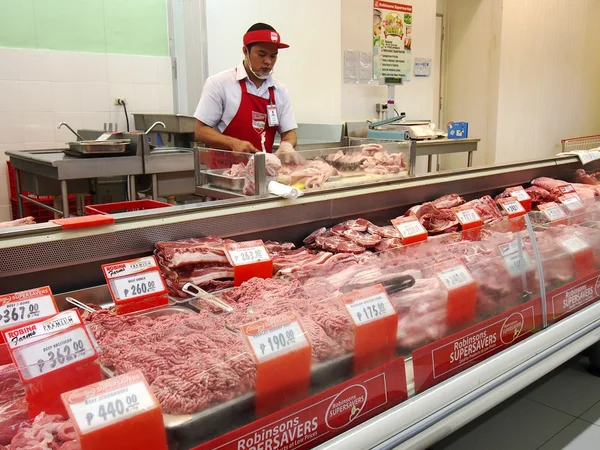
{"x":287,"y":154}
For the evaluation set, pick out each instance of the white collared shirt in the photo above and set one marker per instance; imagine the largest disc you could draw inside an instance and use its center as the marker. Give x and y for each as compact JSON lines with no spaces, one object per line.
{"x":222,"y":95}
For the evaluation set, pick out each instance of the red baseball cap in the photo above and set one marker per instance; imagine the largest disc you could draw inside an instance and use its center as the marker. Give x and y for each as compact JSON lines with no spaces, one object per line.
{"x":264,"y":37}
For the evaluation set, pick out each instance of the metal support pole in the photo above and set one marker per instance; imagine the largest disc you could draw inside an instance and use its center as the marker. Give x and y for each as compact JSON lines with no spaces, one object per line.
{"x":260,"y":173}
{"x":132,"y":193}
{"x":154,"y":186}
{"x":470,"y":159}
{"x":412,"y":163}
{"x":19,"y":193}
{"x":429,"y":163}
{"x":41,"y":205}
{"x":64,"y":193}
{"x":81,"y":204}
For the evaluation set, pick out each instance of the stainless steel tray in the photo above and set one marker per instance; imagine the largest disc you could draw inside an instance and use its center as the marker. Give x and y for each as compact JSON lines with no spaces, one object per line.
{"x":216,"y":178}
{"x":98,"y":148}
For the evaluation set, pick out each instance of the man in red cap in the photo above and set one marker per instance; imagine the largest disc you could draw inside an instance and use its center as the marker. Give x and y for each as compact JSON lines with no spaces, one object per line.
{"x":242,"y":109}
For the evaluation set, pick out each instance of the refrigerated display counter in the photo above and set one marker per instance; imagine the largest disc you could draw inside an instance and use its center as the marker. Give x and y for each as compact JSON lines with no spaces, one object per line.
{"x":523,"y":292}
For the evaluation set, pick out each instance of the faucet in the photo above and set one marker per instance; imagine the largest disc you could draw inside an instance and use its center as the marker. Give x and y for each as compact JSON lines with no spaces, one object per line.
{"x":72,"y":130}
{"x":154,"y":125}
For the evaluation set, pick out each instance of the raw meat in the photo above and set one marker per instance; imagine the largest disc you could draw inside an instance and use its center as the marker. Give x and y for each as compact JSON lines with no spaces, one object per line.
{"x":336,"y":243}
{"x":191,"y":361}
{"x":273,"y":166}
{"x":236,"y":170}
{"x":372,"y":158}
{"x":310,"y":239}
{"x":585,"y":191}
{"x":582,"y":177}
{"x":388,"y":231}
{"x":206,"y":250}
{"x":539,"y":195}
{"x":13,"y":405}
{"x":46,"y":432}
{"x":435,"y":220}
{"x":448,"y":201}
{"x":18,"y":222}
{"x":312,"y":173}
{"x":298,"y":259}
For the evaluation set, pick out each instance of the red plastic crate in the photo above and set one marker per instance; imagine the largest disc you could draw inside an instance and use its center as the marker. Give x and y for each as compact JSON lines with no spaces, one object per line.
{"x":118,"y":207}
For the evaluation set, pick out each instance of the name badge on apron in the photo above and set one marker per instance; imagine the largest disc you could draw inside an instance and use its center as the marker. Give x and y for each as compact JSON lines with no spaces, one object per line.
{"x":272,"y":115}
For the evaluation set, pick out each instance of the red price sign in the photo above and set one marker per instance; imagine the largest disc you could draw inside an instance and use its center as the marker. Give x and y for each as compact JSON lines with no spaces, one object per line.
{"x":512,"y":207}
{"x":281,"y":349}
{"x":410,"y":230}
{"x":114,"y":411}
{"x":249,"y":259}
{"x":136,"y":284}
{"x":566,"y":188}
{"x":469,"y":219}
{"x":375,"y":326}
{"x":462,"y":294}
{"x":572,"y":201}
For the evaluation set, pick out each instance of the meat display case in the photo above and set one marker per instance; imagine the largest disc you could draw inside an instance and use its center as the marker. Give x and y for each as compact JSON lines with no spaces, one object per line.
{"x":45,"y":254}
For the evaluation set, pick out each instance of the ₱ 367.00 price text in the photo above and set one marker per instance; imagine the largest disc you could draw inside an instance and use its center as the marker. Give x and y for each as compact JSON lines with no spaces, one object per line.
{"x":20,"y":313}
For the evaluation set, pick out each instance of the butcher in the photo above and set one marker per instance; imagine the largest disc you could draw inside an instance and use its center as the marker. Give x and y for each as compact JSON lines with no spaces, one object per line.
{"x":242,"y":109}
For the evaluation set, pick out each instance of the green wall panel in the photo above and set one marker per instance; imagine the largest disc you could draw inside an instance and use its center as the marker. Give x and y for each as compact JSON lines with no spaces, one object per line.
{"x":76,"y":25}
{"x":17,"y":24}
{"x":135,"y":27}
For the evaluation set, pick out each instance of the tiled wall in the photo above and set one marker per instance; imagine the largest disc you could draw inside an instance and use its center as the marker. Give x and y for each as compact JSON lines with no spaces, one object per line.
{"x":40,"y":88}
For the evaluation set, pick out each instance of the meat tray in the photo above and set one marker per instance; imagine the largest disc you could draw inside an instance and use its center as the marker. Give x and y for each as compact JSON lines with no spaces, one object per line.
{"x":216,"y":178}
{"x":192,"y":429}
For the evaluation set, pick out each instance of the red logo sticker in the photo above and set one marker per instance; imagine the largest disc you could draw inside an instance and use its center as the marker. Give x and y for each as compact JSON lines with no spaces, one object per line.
{"x":346,"y":406}
{"x":258,"y":121}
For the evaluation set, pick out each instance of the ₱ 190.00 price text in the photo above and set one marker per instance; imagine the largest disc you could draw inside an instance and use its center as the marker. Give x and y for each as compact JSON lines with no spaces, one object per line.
{"x":278,"y":342}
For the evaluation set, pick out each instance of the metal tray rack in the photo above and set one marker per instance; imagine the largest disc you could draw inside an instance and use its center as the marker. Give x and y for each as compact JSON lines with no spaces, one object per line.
{"x":215,"y":178}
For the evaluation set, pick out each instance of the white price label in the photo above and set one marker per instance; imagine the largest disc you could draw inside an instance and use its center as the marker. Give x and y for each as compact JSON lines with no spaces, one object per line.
{"x":509,"y":248}
{"x":366,"y":310}
{"x":456,"y":277}
{"x":520,"y":195}
{"x":574,"y":244}
{"x":467,"y":216}
{"x":572,"y":203}
{"x":554,"y":213}
{"x":410,"y":228}
{"x":54,"y":353}
{"x":277,"y":340}
{"x":25,"y":310}
{"x":137,"y":285}
{"x":515,"y":265}
{"x":111,"y":407}
{"x":589,"y":156}
{"x":250,"y":255}
{"x":513,"y":207}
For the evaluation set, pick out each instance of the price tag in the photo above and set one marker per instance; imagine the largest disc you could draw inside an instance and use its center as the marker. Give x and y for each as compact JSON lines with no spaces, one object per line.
{"x":409,"y":227}
{"x":121,"y":409}
{"x":467,"y":216}
{"x":515,"y":265}
{"x":373,"y":307}
{"x":552,"y":211}
{"x":136,"y":284}
{"x":566,"y":189}
{"x":43,"y":347}
{"x":572,"y":201}
{"x":455,"y":277}
{"x":272,"y":337}
{"x":375,"y":326}
{"x":112,"y":407}
{"x":243,"y":253}
{"x":54,"y":353}
{"x":26,"y":306}
{"x":283,"y":356}
{"x":512,"y":207}
{"x":574,"y":244}
{"x":509,"y":248}
{"x":520,"y":194}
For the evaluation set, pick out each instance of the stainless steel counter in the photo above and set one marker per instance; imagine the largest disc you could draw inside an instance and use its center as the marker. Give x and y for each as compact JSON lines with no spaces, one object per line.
{"x":51,"y":172}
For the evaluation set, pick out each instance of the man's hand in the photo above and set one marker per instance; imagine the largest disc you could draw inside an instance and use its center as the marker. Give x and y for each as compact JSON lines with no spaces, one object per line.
{"x":240,"y":146}
{"x":288,"y":155}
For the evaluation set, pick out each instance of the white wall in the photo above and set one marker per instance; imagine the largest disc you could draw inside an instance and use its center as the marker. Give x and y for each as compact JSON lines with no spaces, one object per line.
{"x":40,"y":88}
{"x":549,"y":77}
{"x":416,"y":96}
{"x":310,"y":68}
{"x":473,"y":56}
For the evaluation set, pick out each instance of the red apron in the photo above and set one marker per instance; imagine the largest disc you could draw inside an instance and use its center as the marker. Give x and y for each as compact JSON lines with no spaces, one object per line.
{"x":250,"y":121}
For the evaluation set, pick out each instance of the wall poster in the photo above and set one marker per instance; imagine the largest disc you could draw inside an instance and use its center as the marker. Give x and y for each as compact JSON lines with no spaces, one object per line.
{"x":392,"y":40}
